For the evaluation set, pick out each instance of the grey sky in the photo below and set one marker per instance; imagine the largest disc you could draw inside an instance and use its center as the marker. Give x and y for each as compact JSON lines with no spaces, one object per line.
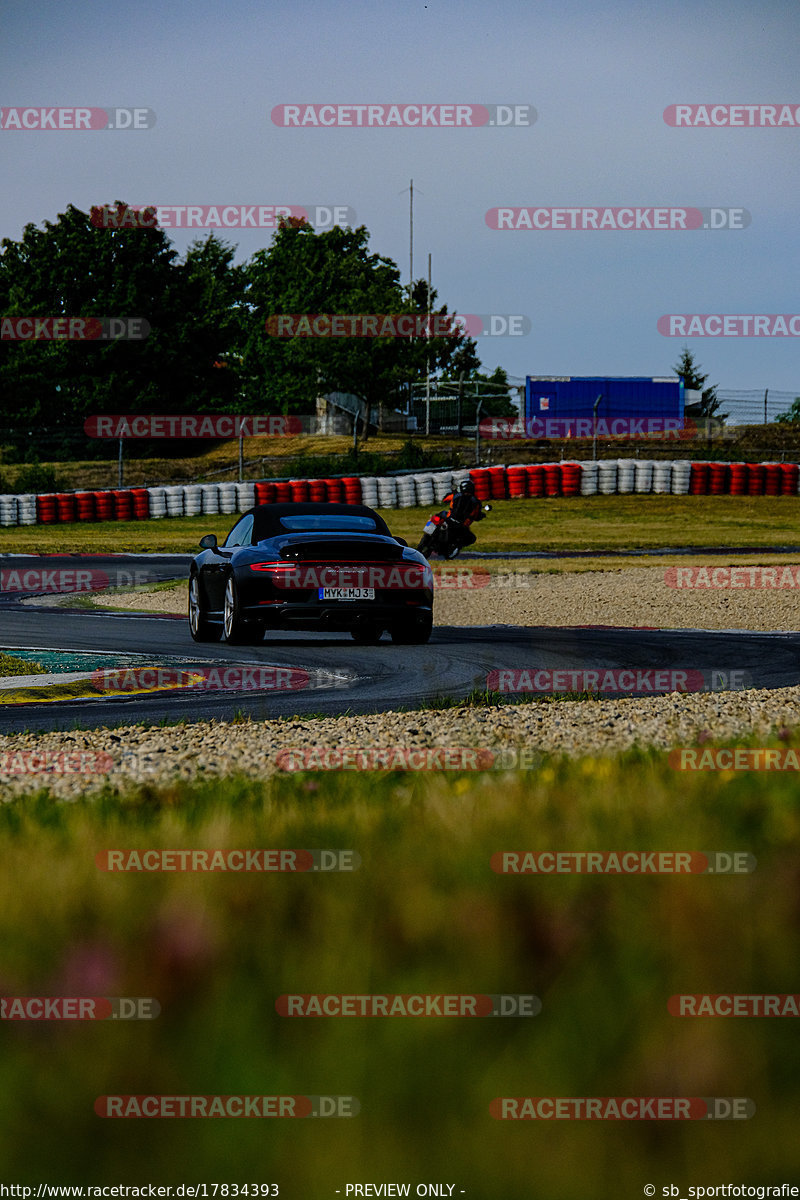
{"x":599,"y":81}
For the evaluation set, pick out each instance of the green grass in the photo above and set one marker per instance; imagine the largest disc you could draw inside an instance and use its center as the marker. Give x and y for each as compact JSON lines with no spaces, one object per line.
{"x":11,"y":665}
{"x":569,"y":523}
{"x":425,"y":913}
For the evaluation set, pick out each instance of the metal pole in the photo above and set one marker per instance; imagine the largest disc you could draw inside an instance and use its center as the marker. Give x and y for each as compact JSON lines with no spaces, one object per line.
{"x":428,"y":375}
{"x":119,"y":465}
{"x":478,"y":431}
{"x":460,"y":391}
{"x":411,"y":241}
{"x":241,"y":455}
{"x":766,"y":393}
{"x":594,"y":426}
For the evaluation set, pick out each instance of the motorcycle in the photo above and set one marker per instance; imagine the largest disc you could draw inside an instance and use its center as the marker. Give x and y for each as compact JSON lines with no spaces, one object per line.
{"x":444,"y":535}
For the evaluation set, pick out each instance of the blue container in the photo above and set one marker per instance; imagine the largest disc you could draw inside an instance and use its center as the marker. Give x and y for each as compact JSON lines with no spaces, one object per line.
{"x":564,"y":406}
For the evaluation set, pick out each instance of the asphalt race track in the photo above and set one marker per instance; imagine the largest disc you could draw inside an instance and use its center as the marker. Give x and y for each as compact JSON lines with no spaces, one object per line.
{"x":357,"y":678}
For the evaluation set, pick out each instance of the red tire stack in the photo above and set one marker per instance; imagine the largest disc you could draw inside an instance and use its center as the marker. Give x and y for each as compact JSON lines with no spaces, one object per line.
{"x":497,"y":483}
{"x":755,"y":479}
{"x":517,"y":482}
{"x":699,"y":479}
{"x":283,"y":492}
{"x":480,"y":477}
{"x":265,"y":493}
{"x":123,"y":505}
{"x":570,"y":479}
{"x":46,"y":510}
{"x":298,"y":490}
{"x":84,"y":503}
{"x":535,"y":475}
{"x":552,"y":479}
{"x":317,"y":491}
{"x":738,"y":479}
{"x":65,"y":507}
{"x":772,"y":479}
{"x":352,"y":489}
{"x":335,"y":490}
{"x":718,"y":478}
{"x":141,"y":503}
{"x":789,"y":477}
{"x":104,"y":506}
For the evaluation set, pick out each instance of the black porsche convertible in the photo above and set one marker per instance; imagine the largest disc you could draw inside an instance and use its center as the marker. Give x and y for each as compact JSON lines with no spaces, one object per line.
{"x":323,"y":567}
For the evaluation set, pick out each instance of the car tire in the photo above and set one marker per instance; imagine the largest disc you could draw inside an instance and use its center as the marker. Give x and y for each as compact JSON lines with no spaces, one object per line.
{"x":235,"y":631}
{"x":201,"y":629}
{"x":412,"y":635}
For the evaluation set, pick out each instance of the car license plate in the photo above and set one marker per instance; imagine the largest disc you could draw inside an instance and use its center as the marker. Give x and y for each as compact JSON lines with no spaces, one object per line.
{"x":346,"y":593}
{"x":429,"y":528}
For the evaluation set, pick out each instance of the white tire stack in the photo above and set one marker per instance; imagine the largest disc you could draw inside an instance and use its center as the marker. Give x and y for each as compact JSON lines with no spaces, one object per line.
{"x":626,"y":476}
{"x":607,"y":476}
{"x":245,"y":496}
{"x":210,"y":497}
{"x":192,"y":500}
{"x":681,"y":474}
{"x":8,"y":510}
{"x":590,"y":471}
{"x":227,"y":497}
{"x":644,"y":475}
{"x":26,"y":509}
{"x":387,"y":492}
{"x":459,"y":477}
{"x":406,"y":491}
{"x":662,"y":478}
{"x":157,"y":501}
{"x":369,"y":491}
{"x":442,"y":485}
{"x":174,"y":498}
{"x":426,"y":491}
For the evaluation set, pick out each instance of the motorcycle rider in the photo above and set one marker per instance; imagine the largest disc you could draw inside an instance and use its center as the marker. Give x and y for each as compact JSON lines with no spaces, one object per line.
{"x":465,"y":507}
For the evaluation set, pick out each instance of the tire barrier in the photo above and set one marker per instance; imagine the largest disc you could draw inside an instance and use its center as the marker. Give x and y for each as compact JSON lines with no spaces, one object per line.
{"x":517,"y":481}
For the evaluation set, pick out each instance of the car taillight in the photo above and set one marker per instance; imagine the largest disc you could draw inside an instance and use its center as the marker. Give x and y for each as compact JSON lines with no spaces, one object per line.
{"x":273,"y":566}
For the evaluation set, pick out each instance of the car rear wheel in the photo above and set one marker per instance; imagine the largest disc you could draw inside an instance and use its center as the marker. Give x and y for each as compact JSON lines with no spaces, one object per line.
{"x":412,"y":635}
{"x":200,"y":627}
{"x":235,"y":629}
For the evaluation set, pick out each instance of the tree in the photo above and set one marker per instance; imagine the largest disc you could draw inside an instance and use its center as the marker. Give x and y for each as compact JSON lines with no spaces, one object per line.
{"x":303,"y":272}
{"x":71,"y":268}
{"x":689,"y":371}
{"x":791,"y":416}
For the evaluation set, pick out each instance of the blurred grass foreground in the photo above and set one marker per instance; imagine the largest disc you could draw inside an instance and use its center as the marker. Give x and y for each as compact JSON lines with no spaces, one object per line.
{"x":423,"y":913}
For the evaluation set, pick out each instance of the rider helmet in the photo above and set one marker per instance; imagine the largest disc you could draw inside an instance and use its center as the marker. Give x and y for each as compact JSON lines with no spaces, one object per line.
{"x":467,"y":485}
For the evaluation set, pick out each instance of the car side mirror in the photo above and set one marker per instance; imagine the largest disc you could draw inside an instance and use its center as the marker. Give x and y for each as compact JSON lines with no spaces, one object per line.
{"x":209,"y":542}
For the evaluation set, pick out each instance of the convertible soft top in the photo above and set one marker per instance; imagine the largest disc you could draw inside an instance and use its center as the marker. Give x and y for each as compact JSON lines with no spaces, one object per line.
{"x":271,"y":520}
